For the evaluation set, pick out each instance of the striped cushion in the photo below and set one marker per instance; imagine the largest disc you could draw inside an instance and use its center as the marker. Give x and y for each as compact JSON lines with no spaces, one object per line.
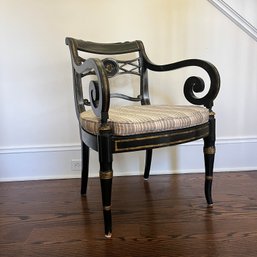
{"x":136,"y":119}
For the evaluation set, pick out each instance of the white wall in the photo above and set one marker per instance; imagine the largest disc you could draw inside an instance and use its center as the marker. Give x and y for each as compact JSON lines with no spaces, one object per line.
{"x":38,"y":129}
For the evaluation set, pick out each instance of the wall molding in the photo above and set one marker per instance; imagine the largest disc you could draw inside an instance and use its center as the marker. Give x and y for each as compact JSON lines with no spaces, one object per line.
{"x":238,"y":19}
{"x":76,"y":146}
{"x":54,"y":161}
{"x":39,"y":148}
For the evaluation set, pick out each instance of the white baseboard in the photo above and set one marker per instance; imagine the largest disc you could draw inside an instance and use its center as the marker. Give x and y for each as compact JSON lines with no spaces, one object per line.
{"x":54,"y":161}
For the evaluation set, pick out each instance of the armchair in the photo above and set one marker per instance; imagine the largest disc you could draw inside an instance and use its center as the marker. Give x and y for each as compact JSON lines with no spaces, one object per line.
{"x":141,"y":126}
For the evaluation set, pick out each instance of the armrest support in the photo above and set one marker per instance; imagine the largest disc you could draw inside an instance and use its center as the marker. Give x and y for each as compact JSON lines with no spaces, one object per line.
{"x":99,"y":92}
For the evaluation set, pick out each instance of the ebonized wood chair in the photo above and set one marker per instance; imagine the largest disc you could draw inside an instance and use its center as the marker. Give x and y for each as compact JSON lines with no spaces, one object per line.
{"x":141,"y":126}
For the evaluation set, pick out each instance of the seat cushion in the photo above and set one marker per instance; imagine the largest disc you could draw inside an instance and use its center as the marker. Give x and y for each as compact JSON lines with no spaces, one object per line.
{"x":138,"y":119}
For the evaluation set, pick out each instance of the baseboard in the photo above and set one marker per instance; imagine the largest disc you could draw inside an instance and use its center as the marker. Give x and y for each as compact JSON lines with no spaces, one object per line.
{"x":54,"y":161}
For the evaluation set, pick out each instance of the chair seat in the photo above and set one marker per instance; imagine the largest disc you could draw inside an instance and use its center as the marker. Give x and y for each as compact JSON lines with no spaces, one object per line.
{"x":141,"y":119}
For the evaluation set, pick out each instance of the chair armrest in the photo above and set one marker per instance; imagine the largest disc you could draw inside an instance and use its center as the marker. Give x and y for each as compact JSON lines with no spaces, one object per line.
{"x":99,"y":92}
{"x":193,"y":84}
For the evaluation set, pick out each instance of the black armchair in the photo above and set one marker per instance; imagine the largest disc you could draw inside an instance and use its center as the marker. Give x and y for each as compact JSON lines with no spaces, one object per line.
{"x":141,"y":126}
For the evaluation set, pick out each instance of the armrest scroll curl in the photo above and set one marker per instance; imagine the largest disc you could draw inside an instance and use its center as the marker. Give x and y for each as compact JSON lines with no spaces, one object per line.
{"x":99,"y":92}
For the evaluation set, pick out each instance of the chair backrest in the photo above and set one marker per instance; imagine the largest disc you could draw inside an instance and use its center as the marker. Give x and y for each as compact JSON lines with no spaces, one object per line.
{"x":111,"y":52}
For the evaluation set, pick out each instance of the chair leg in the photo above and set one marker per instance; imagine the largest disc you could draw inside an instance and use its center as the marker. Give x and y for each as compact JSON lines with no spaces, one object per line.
{"x":148,"y":161}
{"x":106,"y":187}
{"x":209,"y":154}
{"x":106,"y":174}
{"x":85,"y":164}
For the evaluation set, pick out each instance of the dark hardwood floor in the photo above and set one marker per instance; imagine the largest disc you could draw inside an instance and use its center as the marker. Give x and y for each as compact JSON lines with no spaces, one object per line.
{"x":165,"y":216}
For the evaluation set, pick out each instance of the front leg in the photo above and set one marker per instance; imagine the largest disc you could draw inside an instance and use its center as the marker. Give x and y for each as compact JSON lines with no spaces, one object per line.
{"x":106,"y":173}
{"x":209,"y":154}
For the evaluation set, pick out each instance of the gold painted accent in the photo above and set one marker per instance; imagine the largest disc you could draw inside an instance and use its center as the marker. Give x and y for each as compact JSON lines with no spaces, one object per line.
{"x":109,"y":67}
{"x":107,"y":208}
{"x":209,"y":177}
{"x":117,"y":149}
{"x":155,"y":145}
{"x":105,"y":127}
{"x":106,"y":174}
{"x":212,"y":113}
{"x":209,"y":150}
{"x":109,"y":235}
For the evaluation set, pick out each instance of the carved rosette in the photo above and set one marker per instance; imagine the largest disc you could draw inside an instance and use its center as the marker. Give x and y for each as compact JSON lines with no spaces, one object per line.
{"x":111,"y":67}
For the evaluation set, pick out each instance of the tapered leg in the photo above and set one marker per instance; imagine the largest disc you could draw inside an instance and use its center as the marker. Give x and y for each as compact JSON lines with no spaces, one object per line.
{"x":209,"y":154}
{"x":85,"y":164}
{"x":106,"y":173}
{"x":106,"y":187}
{"x":148,"y":160}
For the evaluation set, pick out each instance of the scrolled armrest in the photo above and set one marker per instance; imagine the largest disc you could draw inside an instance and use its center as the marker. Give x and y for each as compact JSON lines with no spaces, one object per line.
{"x":194,"y":84}
{"x":99,"y":92}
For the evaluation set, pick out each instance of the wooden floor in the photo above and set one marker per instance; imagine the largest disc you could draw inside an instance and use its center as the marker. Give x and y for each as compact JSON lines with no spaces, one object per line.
{"x":165,"y":216}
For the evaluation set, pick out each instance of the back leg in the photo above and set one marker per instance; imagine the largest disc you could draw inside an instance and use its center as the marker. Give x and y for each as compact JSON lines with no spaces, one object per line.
{"x":148,"y":161}
{"x":85,"y":165}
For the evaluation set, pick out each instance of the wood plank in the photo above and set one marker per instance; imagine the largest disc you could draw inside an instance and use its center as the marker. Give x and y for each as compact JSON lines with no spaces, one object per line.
{"x":164,"y":216}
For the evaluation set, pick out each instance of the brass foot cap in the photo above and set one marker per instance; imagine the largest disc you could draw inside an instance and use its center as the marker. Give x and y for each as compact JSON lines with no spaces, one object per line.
{"x":109,"y":235}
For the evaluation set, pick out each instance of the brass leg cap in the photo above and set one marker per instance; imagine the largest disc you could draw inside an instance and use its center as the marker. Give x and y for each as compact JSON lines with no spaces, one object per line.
{"x":108,"y":236}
